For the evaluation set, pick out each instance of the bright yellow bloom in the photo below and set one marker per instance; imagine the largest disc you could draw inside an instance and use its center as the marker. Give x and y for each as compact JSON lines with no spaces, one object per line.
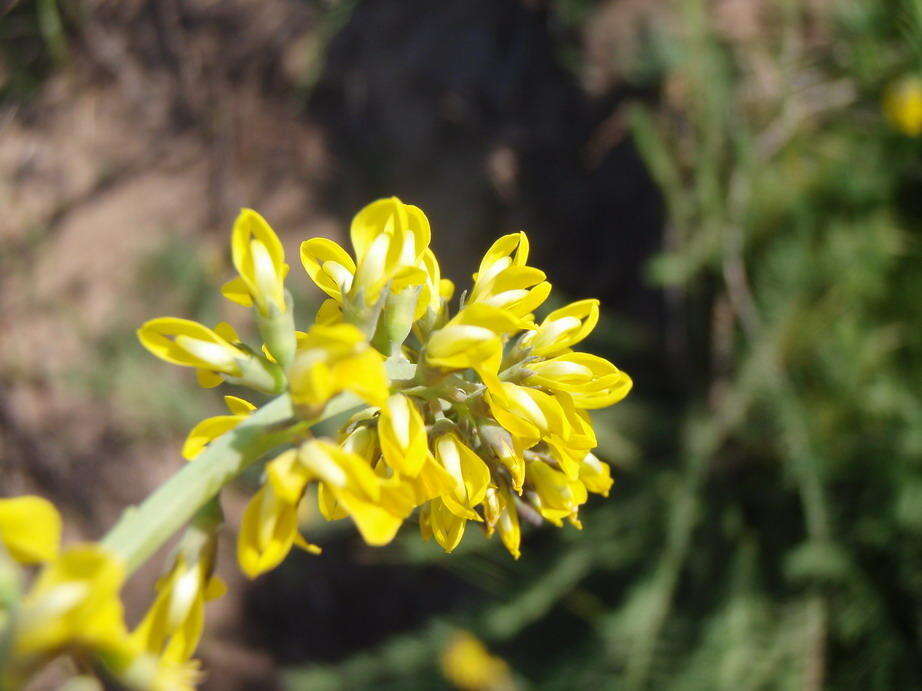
{"x":389,"y":238}
{"x":507,"y":450}
{"x":437,"y":291}
{"x":259,"y":258}
{"x":173,"y":625}
{"x":558,"y":496}
{"x":562,"y":329}
{"x":501,"y":516}
{"x":592,"y":382}
{"x":528,"y":414}
{"x":215,"y":354}
{"x":402,"y":435}
{"x":903,"y":106}
{"x":329,"y":266}
{"x":437,"y":521}
{"x":473,"y":339}
{"x":270,"y":522}
{"x":504,"y":280}
{"x":356,"y":488}
{"x":73,"y":603}
{"x":211,"y":428}
{"x":468,"y":665}
{"x":595,"y":475}
{"x":336,"y":358}
{"x":471,"y":475}
{"x":30,"y":529}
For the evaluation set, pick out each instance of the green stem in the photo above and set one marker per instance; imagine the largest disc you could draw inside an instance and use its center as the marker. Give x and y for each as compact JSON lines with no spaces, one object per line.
{"x":143,"y":529}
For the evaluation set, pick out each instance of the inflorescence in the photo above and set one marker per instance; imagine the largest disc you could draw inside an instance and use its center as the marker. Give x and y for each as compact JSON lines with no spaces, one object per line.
{"x":477,"y":415}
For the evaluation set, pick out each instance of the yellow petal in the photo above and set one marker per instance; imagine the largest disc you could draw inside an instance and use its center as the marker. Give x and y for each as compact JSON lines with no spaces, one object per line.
{"x":315,"y":255}
{"x":238,"y":406}
{"x":236,"y":290}
{"x":30,"y":528}
{"x":207,"y":431}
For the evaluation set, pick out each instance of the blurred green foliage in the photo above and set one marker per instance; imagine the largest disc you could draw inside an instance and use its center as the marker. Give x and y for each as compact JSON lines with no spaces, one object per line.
{"x":765,"y":529}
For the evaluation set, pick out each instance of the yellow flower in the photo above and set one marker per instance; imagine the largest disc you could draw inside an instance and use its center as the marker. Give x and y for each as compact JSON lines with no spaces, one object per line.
{"x":507,"y":450}
{"x":557,"y":496}
{"x":592,"y":382}
{"x":336,"y":358}
{"x":528,"y":414}
{"x":389,"y":238}
{"x":468,"y":665}
{"x":504,"y":280}
{"x":402,"y":435}
{"x":215,"y":354}
{"x":391,"y":217}
{"x":270,"y":522}
{"x":595,"y":475}
{"x":473,"y":339}
{"x":501,"y":516}
{"x":437,"y":291}
{"x":30,"y":529}
{"x":437,"y":521}
{"x":73,"y":603}
{"x":357,"y":490}
{"x":211,"y":428}
{"x":471,"y":475}
{"x":903,"y":106}
{"x":173,"y":625}
{"x":329,"y":266}
{"x":562,"y":329}
{"x":259,"y":258}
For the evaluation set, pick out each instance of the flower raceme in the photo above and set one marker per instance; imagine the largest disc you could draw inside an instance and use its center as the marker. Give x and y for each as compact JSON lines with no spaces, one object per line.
{"x":480,"y":417}
{"x":489,"y":415}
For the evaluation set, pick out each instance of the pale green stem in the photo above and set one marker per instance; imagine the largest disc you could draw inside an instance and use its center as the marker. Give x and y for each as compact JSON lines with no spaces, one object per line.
{"x":143,"y":529}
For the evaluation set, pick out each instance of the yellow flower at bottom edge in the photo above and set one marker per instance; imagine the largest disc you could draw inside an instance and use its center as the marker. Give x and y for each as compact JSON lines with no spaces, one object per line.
{"x":173,"y":625}
{"x":30,"y":529}
{"x":73,"y":603}
{"x":468,"y":665}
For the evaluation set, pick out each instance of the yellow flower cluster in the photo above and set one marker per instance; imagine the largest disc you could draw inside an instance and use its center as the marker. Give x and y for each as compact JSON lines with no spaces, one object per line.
{"x":485,"y":420}
{"x":72,"y":607}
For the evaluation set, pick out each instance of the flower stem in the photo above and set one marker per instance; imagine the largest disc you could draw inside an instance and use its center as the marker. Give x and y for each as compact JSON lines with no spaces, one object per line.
{"x":143,"y":529}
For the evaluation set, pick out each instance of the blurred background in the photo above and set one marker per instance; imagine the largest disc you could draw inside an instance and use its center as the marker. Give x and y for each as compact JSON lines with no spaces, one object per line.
{"x":739,"y":181}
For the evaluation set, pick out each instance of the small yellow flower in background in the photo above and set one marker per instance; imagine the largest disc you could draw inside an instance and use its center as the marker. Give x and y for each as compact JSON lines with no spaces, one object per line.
{"x":903,"y":106}
{"x":30,"y":529}
{"x":468,"y":665}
